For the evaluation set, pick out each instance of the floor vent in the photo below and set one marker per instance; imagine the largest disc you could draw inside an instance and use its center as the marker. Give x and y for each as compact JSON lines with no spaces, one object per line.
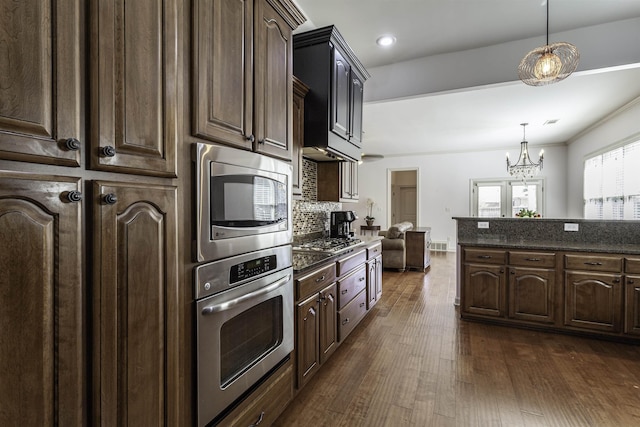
{"x":438,"y":246}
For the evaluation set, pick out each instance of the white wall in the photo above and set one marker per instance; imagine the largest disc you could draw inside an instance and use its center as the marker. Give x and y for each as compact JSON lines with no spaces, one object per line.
{"x":443,"y":185}
{"x":622,"y":126}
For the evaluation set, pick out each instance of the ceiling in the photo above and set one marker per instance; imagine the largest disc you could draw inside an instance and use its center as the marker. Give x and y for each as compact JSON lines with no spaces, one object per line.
{"x":487,"y":116}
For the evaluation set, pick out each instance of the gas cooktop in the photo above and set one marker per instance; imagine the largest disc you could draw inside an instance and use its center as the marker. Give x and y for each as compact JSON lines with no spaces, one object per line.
{"x":327,"y":246}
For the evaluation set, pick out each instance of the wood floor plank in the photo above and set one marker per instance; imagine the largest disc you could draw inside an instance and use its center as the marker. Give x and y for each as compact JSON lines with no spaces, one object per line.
{"x":413,"y":362}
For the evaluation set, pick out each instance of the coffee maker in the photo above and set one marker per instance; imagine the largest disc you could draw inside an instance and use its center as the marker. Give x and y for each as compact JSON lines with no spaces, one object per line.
{"x":341,"y":224}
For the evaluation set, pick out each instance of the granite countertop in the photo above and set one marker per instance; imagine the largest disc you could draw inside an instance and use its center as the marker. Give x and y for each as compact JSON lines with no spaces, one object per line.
{"x":303,"y":261}
{"x":517,"y":243}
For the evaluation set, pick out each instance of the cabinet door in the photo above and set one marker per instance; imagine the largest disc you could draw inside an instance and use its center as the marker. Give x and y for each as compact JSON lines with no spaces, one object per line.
{"x":632,"y":305}
{"x":136,"y":310}
{"x":593,"y":301}
{"x":357,"y":102}
{"x":134,"y":86}
{"x":40,"y":74}
{"x":328,"y":322}
{"x":484,"y":290}
{"x":349,"y":181}
{"x":341,"y":83}
{"x":307,"y":339}
{"x":273,"y":95}
{"x":378,"y":278}
{"x":41,"y":295}
{"x":299,"y":92}
{"x":223,"y":71}
{"x":531,"y":294}
{"x":371,"y":283}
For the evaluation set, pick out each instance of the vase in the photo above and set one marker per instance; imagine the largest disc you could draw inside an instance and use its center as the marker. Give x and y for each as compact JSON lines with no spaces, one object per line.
{"x":369,"y":222}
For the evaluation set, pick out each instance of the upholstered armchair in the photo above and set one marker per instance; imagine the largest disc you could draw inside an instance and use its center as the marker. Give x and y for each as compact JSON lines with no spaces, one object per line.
{"x":394,"y":254}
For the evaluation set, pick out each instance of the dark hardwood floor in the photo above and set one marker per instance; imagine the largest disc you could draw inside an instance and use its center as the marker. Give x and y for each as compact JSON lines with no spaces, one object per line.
{"x":413,"y":362}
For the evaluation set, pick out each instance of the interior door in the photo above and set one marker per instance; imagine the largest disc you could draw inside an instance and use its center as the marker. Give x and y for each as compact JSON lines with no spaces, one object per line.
{"x":408,"y":205}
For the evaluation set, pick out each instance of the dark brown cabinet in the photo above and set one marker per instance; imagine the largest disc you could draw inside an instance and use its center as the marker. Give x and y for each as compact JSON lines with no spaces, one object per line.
{"x":532,"y":286}
{"x":40,"y":86}
{"x":299,"y":92}
{"x":42,"y":299}
{"x":632,"y":297}
{"x":135,"y":305}
{"x":316,"y":330}
{"x":484,"y":282}
{"x":335,"y":76}
{"x":242,"y":70}
{"x":418,"y":241}
{"x":338,"y":182}
{"x":134,"y":86}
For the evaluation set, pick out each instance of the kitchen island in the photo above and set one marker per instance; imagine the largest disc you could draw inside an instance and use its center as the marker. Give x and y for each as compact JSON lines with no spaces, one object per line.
{"x":562,"y":275}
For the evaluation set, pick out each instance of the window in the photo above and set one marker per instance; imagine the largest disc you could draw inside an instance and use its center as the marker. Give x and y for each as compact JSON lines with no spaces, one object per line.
{"x":505,"y":198}
{"x":612,"y":184}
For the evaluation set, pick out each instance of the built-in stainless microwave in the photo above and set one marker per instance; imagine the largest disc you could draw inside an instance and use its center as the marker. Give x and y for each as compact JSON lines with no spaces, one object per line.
{"x":243,"y":202}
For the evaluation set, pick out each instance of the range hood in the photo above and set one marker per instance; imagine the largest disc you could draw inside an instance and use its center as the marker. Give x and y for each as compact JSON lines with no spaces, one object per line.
{"x":327,"y":153}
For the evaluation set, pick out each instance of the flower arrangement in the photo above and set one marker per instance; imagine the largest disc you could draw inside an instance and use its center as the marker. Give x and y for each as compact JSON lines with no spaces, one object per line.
{"x":370,"y":204}
{"x":526,"y":213}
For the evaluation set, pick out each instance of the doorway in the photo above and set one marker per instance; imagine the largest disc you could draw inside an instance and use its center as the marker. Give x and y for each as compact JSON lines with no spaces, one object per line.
{"x":403,"y":196}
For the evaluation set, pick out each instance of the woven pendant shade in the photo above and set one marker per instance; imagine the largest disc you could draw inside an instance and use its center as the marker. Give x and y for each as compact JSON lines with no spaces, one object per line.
{"x":550,"y":63}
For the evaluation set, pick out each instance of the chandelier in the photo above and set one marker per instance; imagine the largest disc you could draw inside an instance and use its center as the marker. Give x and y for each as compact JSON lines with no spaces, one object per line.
{"x":524,"y":168}
{"x":550,"y":63}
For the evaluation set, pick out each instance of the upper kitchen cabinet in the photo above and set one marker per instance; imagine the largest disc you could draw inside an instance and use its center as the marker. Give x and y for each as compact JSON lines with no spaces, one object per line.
{"x":40,"y":82}
{"x":242,"y":73}
{"x":333,"y":107}
{"x":134,"y":86}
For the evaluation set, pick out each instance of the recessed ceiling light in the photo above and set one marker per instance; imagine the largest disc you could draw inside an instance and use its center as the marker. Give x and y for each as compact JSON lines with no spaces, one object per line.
{"x":386,"y":40}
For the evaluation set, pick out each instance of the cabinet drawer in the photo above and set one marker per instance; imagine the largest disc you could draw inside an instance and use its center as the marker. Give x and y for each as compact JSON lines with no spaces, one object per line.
{"x":312,"y":282}
{"x":532,"y":259}
{"x":374,"y":250}
{"x":351,"y":261}
{"x":632,"y":265}
{"x":351,"y":315}
{"x":593,"y":263}
{"x":351,"y":285}
{"x":487,"y":256}
{"x":268,"y":403}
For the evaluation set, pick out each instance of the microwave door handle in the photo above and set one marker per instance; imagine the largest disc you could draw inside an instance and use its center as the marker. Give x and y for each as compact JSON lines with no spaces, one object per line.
{"x":216,"y":308}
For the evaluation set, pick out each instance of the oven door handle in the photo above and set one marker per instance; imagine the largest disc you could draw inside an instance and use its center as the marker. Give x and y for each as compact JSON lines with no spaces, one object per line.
{"x":216,"y":308}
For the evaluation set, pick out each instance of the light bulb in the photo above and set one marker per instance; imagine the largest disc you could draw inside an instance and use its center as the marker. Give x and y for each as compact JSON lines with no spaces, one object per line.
{"x":547,"y":66}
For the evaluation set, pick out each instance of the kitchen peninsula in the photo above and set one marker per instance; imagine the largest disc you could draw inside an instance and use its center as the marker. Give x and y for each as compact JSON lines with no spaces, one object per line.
{"x":565,"y":275}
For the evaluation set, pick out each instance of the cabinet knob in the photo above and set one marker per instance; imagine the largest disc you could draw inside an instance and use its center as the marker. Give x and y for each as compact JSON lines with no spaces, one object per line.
{"x":345,"y":321}
{"x":344,"y":291}
{"x":72,"y":144}
{"x":251,"y":138}
{"x":320,"y":279}
{"x":110,"y":199}
{"x":72,"y":196}
{"x":260,"y":418}
{"x":108,"y":151}
{"x":630,"y":281}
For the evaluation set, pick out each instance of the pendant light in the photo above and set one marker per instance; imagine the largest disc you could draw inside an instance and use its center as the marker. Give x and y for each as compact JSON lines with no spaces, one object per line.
{"x":550,"y":63}
{"x":524,"y":168}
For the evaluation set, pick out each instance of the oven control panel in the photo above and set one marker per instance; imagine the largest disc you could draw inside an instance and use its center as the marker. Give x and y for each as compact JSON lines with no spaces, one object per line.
{"x":248,"y":269}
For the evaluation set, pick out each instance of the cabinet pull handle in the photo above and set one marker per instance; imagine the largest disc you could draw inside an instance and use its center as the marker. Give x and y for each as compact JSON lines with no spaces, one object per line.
{"x":108,"y":151}
{"x":484,"y":256}
{"x":251,"y":138}
{"x":501,"y":270}
{"x":616,"y":280}
{"x":630,"y":281}
{"x":361,"y":304}
{"x":72,"y":196}
{"x":360,"y":279}
{"x":110,"y":199}
{"x":72,"y":144}
{"x":320,"y":279}
{"x":345,"y":321}
{"x":513,"y":272}
{"x":533,"y":259}
{"x":344,"y":291}
{"x":260,"y":418}
{"x":312,"y":311}
{"x":592,"y":263}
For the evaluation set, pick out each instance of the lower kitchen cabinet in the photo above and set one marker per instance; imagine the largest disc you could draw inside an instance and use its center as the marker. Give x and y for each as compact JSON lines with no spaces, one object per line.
{"x":374,"y":274}
{"x":135,"y":292}
{"x":632,"y":297}
{"x":41,"y":295}
{"x":532,"y":294}
{"x":484,"y":290}
{"x":316,"y":330}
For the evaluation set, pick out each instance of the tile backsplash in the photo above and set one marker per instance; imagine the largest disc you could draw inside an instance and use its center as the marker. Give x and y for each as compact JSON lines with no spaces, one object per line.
{"x":309,"y":215}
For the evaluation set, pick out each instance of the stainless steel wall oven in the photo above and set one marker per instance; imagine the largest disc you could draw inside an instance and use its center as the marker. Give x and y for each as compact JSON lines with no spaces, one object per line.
{"x":244,"y":325}
{"x":243,"y":202}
